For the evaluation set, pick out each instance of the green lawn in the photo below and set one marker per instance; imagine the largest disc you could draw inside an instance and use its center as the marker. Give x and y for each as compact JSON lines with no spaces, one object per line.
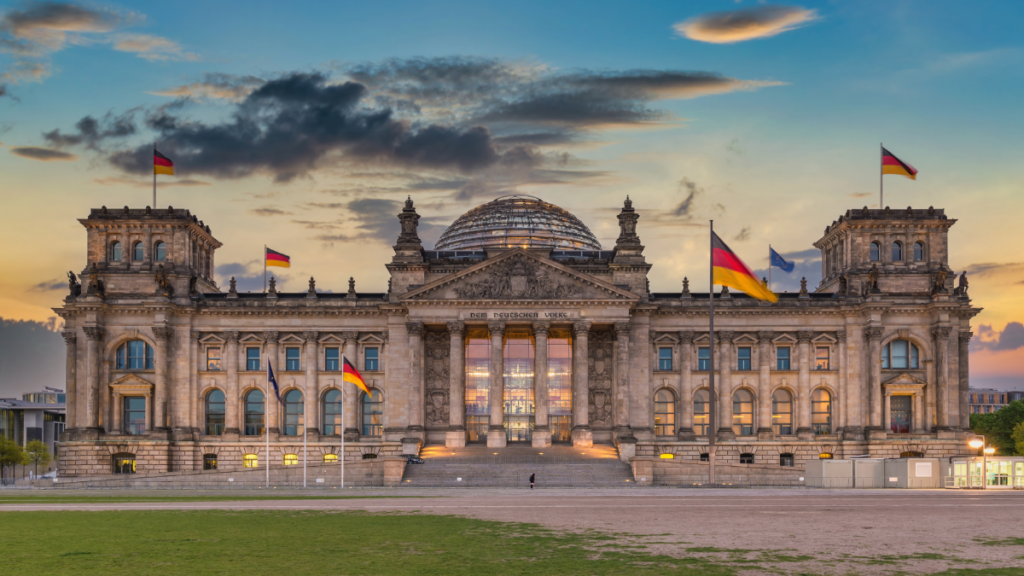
{"x":37,"y":498}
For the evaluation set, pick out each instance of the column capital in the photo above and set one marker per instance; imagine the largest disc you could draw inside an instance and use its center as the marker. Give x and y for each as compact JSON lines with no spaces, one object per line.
{"x":195,"y":335}
{"x":765,"y":336}
{"x":541,"y":328}
{"x":70,"y":336}
{"x":841,"y":335}
{"x":271,"y":336}
{"x":581,"y":327}
{"x":726,"y":336}
{"x":456,"y":328}
{"x":93,"y":332}
{"x":966,"y":336}
{"x":353,"y":336}
{"x":941,"y":332}
{"x":685,"y":337}
{"x":415,"y":328}
{"x":804,"y":336}
{"x":311,"y":336}
{"x":231,"y":336}
{"x":873,"y":333}
{"x":496,"y":328}
{"x":163,"y":333}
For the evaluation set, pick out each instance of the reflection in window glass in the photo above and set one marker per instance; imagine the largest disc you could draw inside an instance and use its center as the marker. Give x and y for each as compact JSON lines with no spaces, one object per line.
{"x":743,"y":413}
{"x":254,"y":413}
{"x":560,"y":385}
{"x":873,"y":256}
{"x":373,"y":413}
{"x":782,"y":413}
{"x":701,"y":412}
{"x":291,"y":359}
{"x":821,"y":411}
{"x":137,"y":252}
{"x":518,"y":356}
{"x":215,"y":413}
{"x":252,"y":359}
{"x":478,"y":384}
{"x":213,"y":359}
{"x":918,"y":251}
{"x":372,"y":363}
{"x":161,"y":251}
{"x":821,"y":358}
{"x":293,"y":413}
{"x":134,"y":415}
{"x":332,"y":413}
{"x":664,"y":413}
{"x":115,"y":252}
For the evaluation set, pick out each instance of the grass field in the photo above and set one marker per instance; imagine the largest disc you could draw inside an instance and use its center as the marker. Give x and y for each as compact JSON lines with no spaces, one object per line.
{"x":119,"y":498}
{"x":293,"y":543}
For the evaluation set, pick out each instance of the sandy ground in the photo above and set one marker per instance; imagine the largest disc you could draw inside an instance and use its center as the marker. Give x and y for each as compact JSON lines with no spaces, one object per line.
{"x":845,"y":531}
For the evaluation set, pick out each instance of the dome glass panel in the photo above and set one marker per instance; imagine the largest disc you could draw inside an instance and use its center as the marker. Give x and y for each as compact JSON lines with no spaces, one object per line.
{"x":517,"y":222}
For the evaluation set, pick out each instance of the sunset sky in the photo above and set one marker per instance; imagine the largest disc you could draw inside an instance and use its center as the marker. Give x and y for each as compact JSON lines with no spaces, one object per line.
{"x":304,"y":126}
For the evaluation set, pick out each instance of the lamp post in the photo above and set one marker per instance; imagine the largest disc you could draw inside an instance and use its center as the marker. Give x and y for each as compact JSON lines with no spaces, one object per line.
{"x":979,"y":442}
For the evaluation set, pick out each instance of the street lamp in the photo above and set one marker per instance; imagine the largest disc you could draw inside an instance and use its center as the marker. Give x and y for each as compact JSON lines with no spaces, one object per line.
{"x":977,"y":442}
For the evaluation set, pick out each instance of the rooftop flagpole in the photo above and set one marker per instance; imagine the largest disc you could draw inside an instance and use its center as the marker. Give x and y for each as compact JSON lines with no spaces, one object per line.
{"x":266,"y":413}
{"x":154,"y":178}
{"x":304,"y":458}
{"x":341,"y":432}
{"x":881,"y":172}
{"x":712,"y":420}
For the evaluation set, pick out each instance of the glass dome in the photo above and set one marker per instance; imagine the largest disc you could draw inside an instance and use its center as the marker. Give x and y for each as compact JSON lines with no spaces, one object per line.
{"x":517,"y":222}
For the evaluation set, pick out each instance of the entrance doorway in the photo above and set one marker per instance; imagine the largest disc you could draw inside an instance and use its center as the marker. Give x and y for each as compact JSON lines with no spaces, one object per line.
{"x":561,"y":428}
{"x":899,"y":414}
{"x":518,"y":373}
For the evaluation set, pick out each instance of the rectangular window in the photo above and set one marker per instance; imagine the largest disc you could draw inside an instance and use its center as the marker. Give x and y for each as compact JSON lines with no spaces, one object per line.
{"x":291,"y":359}
{"x":478,"y":384}
{"x":331,"y":359}
{"x":134,"y":415}
{"x":703,"y":358}
{"x":252,"y":359}
{"x":899,"y":354}
{"x":972,"y":399}
{"x":743,"y":358}
{"x":372,"y":363}
{"x":213,"y":359}
{"x":1002,"y":398}
{"x":991,"y":398}
{"x":782,"y":359}
{"x":664,"y":358}
{"x":821,"y":358}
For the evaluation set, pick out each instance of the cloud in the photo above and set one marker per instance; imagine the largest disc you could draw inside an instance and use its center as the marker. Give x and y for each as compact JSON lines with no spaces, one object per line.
{"x":50,"y":285}
{"x":42,"y":154}
{"x":268,"y":212}
{"x":747,"y":24}
{"x":790,"y":281}
{"x":152,"y":48}
{"x":248,"y":276}
{"x":91,"y":132}
{"x":685,"y":208}
{"x":1011,"y":337}
{"x":215,"y":85}
{"x":744,"y":235}
{"x":149,"y":184}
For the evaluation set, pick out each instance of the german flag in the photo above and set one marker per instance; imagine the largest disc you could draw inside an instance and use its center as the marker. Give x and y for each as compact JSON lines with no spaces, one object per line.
{"x":275,"y":258}
{"x":893,"y":165}
{"x":729,"y":270}
{"x":352,"y":375}
{"x":162,"y":164}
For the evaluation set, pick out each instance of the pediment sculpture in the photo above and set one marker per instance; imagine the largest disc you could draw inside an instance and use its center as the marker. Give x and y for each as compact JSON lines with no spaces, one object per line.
{"x":519,"y":278}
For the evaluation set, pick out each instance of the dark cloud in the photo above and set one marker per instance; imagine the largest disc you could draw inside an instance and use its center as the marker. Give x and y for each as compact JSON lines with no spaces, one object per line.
{"x":91,"y":132}
{"x":685,"y":208}
{"x":743,"y":236}
{"x":802,"y":254}
{"x":27,"y":350}
{"x":1011,"y":337}
{"x":747,"y":24}
{"x":266,"y":211}
{"x":57,"y":284}
{"x":368,"y":220}
{"x":41,"y":27}
{"x":42,"y":154}
{"x":537,"y":138}
{"x":187,"y":182}
{"x":248,"y":276}
{"x":790,"y":281}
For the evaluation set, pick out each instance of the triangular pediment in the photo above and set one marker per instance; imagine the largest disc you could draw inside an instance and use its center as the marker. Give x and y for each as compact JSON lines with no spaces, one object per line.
{"x":131,"y":383}
{"x":519,"y":275}
{"x":903,"y":379}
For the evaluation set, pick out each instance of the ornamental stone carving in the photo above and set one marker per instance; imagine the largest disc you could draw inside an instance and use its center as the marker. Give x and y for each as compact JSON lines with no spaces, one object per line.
{"x":352,"y":336}
{"x":841,"y":335}
{"x":765,"y":336}
{"x":437,"y":375}
{"x":231,"y":336}
{"x":804,"y":336}
{"x":310,"y":336}
{"x":271,"y":337}
{"x":872,"y":333}
{"x":456,"y":327}
{"x":70,"y":337}
{"x":414,"y":328}
{"x":518,"y":278}
{"x":941,"y":332}
{"x":163,"y":332}
{"x":93,"y":332}
{"x":685,"y":337}
{"x":966,"y":336}
{"x":541,"y":328}
{"x":600,"y":371}
{"x":496,"y":328}
{"x":580,"y":327}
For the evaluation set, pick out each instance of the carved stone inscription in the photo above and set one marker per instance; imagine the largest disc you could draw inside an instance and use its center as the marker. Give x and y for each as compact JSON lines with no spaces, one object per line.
{"x":601,"y":374}
{"x":519,"y":278}
{"x":436,"y":372}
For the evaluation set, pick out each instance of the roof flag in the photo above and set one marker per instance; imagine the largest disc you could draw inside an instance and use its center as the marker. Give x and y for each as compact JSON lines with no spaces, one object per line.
{"x":352,"y":375}
{"x":893,"y":165}
{"x":780,"y":262}
{"x":162,"y":164}
{"x":275,"y":258}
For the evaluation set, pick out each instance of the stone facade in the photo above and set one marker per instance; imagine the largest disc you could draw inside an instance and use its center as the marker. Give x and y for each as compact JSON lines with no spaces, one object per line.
{"x":873,"y":362}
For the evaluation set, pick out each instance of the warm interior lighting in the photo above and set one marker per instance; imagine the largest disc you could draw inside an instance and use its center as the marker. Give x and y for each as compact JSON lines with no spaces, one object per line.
{"x":975,"y":442}
{"x":990,"y":450}
{"x":667,"y":456}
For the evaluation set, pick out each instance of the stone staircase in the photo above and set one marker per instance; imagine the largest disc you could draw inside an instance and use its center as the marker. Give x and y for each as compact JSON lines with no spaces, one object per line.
{"x":477,"y":466}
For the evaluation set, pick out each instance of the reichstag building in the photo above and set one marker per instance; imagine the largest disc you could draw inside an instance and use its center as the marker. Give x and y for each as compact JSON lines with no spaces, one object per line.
{"x":518,"y":327}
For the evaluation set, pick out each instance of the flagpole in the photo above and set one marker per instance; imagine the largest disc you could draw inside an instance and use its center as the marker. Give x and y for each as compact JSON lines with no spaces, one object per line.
{"x":266,"y":417}
{"x":154,"y":178}
{"x":304,"y":458}
{"x":769,"y":267}
{"x":712,"y":420}
{"x":881,"y":172}
{"x":341,"y":432}
{"x":264,"y":267}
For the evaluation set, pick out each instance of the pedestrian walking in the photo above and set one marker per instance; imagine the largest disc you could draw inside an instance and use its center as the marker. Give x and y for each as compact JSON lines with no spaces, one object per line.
{"x":533,"y":477}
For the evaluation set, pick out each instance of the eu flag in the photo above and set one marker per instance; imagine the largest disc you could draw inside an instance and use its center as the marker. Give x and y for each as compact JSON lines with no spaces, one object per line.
{"x":272,"y":380}
{"x":780,"y":262}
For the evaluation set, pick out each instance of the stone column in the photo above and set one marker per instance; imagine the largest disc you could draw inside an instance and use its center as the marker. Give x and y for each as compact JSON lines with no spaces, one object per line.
{"x":685,"y":411}
{"x":764,"y":384}
{"x":843,"y":402}
{"x":620,"y":384}
{"x":311,"y":393}
{"x":233,"y":400}
{"x":725,"y":359}
{"x":965,"y":379}
{"x":115,"y":421}
{"x":887,"y":412}
{"x":455,"y":437}
{"x":196,"y":420}
{"x":416,"y":388}
{"x":917,"y":410}
{"x":70,"y":376}
{"x":496,"y":431}
{"x":272,"y":405}
{"x":162,"y":405}
{"x":349,"y":392}
{"x":874,"y":336}
{"x":88,"y":412}
{"x":147,"y":245}
{"x":541,"y":429}
{"x":804,"y":430}
{"x":941,"y":334}
{"x":581,"y":434}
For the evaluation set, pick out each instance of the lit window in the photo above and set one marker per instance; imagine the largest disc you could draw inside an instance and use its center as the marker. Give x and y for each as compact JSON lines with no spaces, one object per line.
{"x":293,"y":413}
{"x":250,"y":461}
{"x":918,"y":251}
{"x":137,"y":252}
{"x":124,"y":463}
{"x":373,"y":414}
{"x":291,"y":459}
{"x":743,"y":358}
{"x":209,"y":461}
{"x":782,"y":413}
{"x":161,"y":251}
{"x":874,"y":252}
{"x":134,"y":415}
{"x":821,"y":411}
{"x":135,"y":355}
{"x":782,"y":359}
{"x":291,"y":359}
{"x":372,"y":363}
{"x":115,"y":252}
{"x":332,"y":413}
{"x":700,"y":412}
{"x":213,"y":359}
{"x":331,"y":359}
{"x":254,"y":413}
{"x":252,"y":359}
{"x":215,"y":413}
{"x":330,"y":458}
{"x":746,"y":458}
{"x":900,"y":355}
{"x":897,"y":252}
{"x":664,"y":358}
{"x":825,"y":456}
{"x":821,"y":358}
{"x":786,"y":459}
{"x":703,"y":358}
{"x":664,"y":413}
{"x":743,"y":413}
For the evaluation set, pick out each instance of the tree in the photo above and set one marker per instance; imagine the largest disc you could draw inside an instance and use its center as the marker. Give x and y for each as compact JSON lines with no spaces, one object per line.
{"x":1018,"y":437}
{"x":10,"y":455}
{"x":37,"y":453}
{"x":999,"y":426}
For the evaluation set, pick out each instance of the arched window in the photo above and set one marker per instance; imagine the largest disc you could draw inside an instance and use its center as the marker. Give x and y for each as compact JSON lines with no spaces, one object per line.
{"x":332,"y":413}
{"x":821,"y":411}
{"x":897,"y":252}
{"x":124,"y":463}
{"x":700,"y":413}
{"x":160,"y":250}
{"x":115,"y":252}
{"x":293,"y":413}
{"x":291,"y":459}
{"x":918,"y":251}
{"x":743,"y":413}
{"x":330,"y":458}
{"x":786,"y":459}
{"x":901,"y":355}
{"x":873,"y":255}
{"x":373,"y":413}
{"x":664,"y":413}
{"x":254,"y":413}
{"x":215,"y":413}
{"x":135,"y":355}
{"x":137,"y":252}
{"x":250,"y":461}
{"x":782,"y":413}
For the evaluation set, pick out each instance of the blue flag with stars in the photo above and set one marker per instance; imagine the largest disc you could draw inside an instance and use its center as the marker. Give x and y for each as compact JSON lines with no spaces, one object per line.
{"x":780,"y":262}
{"x":272,"y":380}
